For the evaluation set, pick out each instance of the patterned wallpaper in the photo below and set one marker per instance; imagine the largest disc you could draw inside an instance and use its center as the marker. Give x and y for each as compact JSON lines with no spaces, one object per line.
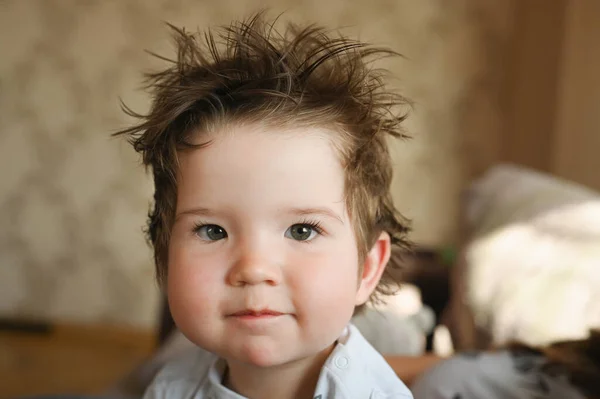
{"x":73,"y":200}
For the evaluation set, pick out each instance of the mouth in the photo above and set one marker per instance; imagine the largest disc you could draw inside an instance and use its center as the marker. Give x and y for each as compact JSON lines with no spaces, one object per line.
{"x":254,"y":314}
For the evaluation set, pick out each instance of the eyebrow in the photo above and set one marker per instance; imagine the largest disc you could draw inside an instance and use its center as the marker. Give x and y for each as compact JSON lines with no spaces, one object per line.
{"x":323,"y":211}
{"x":195,"y":211}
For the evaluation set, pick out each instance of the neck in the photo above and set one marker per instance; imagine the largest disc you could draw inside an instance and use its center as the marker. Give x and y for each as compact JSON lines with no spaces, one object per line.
{"x":294,"y":380}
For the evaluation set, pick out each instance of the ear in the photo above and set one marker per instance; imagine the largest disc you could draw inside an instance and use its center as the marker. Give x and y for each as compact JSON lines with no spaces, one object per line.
{"x":373,"y":268}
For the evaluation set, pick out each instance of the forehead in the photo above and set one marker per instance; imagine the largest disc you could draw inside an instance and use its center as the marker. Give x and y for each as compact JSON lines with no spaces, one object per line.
{"x":282,"y":167}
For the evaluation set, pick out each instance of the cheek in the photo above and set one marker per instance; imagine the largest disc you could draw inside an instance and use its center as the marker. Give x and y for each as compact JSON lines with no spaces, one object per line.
{"x":326,"y":283}
{"x":191,"y":285}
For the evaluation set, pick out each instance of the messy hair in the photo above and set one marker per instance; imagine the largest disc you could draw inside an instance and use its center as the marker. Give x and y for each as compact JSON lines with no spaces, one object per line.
{"x":247,"y":72}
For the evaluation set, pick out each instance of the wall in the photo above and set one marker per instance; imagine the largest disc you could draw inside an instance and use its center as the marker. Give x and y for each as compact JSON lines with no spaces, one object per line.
{"x":530,"y":91}
{"x":73,"y":201}
{"x":549,"y":97}
{"x":577,"y":135}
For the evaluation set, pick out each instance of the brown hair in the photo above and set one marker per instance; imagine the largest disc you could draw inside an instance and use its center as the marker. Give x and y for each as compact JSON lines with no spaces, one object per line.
{"x":250,"y":73}
{"x":578,"y":360}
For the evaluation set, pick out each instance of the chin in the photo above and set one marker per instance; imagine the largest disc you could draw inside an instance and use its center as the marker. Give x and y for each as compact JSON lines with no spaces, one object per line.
{"x":266,"y":357}
{"x":261,"y":356}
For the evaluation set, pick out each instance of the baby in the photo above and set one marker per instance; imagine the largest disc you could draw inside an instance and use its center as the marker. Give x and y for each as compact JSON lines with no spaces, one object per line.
{"x":273,"y":221}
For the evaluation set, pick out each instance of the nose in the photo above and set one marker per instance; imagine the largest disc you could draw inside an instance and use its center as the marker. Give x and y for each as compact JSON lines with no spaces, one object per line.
{"x":251,"y":268}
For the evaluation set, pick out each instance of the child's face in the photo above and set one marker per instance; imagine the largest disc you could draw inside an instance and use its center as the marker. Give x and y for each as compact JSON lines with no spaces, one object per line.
{"x":263,"y":262}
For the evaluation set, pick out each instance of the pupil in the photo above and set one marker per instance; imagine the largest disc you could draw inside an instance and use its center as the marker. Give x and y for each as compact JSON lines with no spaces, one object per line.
{"x":302,"y":231}
{"x":215,"y":232}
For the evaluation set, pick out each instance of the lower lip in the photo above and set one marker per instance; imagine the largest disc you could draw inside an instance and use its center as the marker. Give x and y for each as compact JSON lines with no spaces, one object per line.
{"x":250,"y":317}
{"x":260,"y":322}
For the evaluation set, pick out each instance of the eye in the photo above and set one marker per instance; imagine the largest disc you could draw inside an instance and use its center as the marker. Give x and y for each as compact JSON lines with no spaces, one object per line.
{"x":210,"y":232}
{"x":303,"y":231}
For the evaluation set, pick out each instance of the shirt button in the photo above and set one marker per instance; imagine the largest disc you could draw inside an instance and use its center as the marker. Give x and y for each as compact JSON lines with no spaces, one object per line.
{"x":341,"y":362}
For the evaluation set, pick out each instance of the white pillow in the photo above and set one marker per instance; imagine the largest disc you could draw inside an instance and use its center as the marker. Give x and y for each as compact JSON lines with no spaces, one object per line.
{"x":533,"y":260}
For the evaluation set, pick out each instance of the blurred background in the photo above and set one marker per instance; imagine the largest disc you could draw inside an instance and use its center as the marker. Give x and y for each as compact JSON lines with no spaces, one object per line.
{"x":503,"y":161}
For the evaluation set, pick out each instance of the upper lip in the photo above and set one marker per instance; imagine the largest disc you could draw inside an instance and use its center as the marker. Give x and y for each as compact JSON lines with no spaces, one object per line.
{"x":255,"y":312}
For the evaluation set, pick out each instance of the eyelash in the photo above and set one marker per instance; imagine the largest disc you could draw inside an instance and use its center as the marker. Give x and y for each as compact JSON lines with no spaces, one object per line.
{"x":314,"y":224}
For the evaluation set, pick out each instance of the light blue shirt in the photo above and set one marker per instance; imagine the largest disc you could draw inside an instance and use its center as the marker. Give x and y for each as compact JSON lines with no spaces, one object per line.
{"x":354,"y":370}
